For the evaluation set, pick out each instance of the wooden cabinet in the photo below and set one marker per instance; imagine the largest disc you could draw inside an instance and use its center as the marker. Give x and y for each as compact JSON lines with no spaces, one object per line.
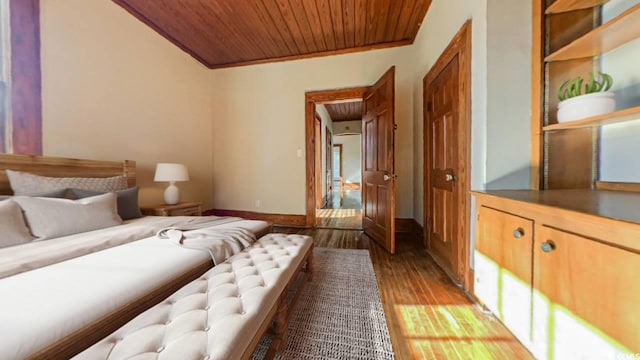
{"x":567,"y":285}
{"x":586,"y":292}
{"x":503,"y":267}
{"x":181,"y":209}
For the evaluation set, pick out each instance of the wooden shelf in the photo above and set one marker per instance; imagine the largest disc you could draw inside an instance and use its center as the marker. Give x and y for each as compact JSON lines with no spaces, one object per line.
{"x":619,"y":116}
{"x":561,"y":6}
{"x":619,"y":31}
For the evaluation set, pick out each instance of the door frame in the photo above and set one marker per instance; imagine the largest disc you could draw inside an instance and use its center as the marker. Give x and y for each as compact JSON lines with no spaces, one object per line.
{"x":339,"y":146}
{"x":311,"y":99}
{"x":318,"y":163}
{"x":459,"y":46}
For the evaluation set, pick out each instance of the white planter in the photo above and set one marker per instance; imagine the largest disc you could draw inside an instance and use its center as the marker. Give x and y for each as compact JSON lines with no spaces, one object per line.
{"x":585,"y":106}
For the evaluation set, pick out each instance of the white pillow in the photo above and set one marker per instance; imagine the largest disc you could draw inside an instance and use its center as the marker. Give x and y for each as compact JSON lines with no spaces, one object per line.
{"x":50,"y":218}
{"x":23,"y":183}
{"x":13,"y":230}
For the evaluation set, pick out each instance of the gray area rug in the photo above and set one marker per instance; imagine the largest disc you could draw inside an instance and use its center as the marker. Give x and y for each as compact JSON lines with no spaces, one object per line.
{"x":339,"y":314}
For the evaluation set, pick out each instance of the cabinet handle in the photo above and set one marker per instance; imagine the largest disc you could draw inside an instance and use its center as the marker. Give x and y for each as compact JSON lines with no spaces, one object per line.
{"x":548,"y":246}
{"x":518,"y":233}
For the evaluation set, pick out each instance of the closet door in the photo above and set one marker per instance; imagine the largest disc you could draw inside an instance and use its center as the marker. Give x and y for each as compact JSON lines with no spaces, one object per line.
{"x":586,"y":298}
{"x":503,"y":261}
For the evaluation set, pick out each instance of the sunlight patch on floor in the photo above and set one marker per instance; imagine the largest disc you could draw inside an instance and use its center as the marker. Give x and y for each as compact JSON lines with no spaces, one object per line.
{"x":455,"y":332}
{"x":337,"y":213}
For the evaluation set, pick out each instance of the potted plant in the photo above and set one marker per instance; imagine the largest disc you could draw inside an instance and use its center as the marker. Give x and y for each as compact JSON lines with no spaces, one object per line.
{"x":579,"y":102}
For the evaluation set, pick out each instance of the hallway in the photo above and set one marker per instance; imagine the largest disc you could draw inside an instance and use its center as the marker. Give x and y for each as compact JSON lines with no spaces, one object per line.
{"x":343,"y":211}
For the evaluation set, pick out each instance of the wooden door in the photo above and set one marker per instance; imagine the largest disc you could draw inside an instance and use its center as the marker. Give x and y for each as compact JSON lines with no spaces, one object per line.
{"x":586,"y":296}
{"x":503,"y":261}
{"x":329,"y":165}
{"x":442,"y":153}
{"x":318,"y":161}
{"x":378,"y":166}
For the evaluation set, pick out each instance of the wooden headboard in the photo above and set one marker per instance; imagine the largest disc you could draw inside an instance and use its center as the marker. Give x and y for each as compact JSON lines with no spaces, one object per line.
{"x":63,"y":167}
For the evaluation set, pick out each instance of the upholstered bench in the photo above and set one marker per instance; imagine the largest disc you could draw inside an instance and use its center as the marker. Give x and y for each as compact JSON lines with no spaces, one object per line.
{"x":221,"y":315}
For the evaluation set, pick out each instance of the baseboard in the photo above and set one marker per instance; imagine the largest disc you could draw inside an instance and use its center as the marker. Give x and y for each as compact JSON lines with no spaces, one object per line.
{"x":409,"y":226}
{"x":276,"y":219}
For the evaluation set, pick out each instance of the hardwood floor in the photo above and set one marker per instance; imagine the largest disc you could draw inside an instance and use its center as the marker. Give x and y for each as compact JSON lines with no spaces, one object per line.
{"x":343,"y":211}
{"x":428,"y":316}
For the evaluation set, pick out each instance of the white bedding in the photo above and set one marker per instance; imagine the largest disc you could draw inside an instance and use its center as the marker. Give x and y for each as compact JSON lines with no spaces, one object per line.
{"x":42,"y":306}
{"x":17,"y":259}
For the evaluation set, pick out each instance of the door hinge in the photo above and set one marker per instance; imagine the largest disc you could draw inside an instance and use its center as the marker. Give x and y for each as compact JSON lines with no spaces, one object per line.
{"x":395,"y":126}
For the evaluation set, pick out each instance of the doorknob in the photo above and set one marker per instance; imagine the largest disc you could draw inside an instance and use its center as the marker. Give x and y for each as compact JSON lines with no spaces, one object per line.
{"x":388,"y":177}
{"x":449,"y":177}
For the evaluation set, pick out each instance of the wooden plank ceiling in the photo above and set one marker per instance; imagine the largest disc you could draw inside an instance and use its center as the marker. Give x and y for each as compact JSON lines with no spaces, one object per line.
{"x":346,"y":111}
{"x":225,"y":33}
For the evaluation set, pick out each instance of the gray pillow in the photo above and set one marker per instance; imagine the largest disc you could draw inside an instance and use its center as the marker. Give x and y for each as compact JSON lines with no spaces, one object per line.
{"x":50,"y":218}
{"x":127,"y":201}
{"x":24,"y":183}
{"x":13,"y":230}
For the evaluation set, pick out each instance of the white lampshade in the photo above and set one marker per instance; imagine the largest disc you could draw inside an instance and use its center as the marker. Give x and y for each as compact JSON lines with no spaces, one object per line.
{"x":171,"y":172}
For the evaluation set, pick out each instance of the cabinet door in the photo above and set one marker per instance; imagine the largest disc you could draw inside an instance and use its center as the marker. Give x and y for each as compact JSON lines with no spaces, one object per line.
{"x":502,"y":260}
{"x":586,"y":298}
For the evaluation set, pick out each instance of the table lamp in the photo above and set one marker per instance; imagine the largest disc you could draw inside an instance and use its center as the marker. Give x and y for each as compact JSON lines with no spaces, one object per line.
{"x":171,"y":173}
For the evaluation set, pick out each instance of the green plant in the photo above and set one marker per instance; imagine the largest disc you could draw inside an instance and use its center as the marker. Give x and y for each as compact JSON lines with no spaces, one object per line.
{"x":573,"y":87}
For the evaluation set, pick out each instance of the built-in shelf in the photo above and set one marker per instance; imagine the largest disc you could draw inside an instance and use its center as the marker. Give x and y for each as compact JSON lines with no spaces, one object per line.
{"x":561,"y":6}
{"x":619,"y":116}
{"x":619,"y":31}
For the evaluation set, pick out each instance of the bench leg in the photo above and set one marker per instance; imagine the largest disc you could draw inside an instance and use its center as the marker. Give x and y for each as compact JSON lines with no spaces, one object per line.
{"x":308,"y":269}
{"x":280,"y":327}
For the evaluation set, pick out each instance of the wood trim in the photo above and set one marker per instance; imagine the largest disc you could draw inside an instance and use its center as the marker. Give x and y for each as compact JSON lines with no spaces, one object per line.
{"x":63,"y":167}
{"x":618,"y":186}
{"x":89,"y":335}
{"x":537,"y":96}
{"x":311,"y":99}
{"x":404,"y":225}
{"x":26,"y":87}
{"x":460,"y":46}
{"x":409,"y":226}
{"x":278,"y":219}
{"x":317,"y":130}
{"x":315,"y":54}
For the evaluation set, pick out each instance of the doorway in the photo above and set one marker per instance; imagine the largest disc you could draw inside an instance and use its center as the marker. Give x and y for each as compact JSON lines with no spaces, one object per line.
{"x":447,"y":157}
{"x":341,"y":168}
{"x":377,"y":186}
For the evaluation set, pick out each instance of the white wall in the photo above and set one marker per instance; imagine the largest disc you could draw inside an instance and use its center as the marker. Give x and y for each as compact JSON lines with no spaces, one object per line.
{"x":113,"y":89}
{"x":259,"y":125}
{"x":326,"y":123}
{"x":351,"y":157}
{"x":619,"y":143}
{"x":508,"y":131}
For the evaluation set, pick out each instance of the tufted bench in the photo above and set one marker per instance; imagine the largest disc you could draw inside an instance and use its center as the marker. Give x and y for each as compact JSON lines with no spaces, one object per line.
{"x":221,"y":315}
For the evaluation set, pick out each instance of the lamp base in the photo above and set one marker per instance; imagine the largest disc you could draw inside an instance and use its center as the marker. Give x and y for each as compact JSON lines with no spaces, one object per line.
{"x":171,"y":194}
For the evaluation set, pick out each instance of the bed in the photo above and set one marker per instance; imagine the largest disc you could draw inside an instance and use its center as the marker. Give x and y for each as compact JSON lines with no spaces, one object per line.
{"x":55,"y":306}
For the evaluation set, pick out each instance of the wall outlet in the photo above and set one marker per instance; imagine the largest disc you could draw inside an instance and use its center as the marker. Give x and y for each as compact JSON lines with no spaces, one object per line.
{"x":299,"y":153}
{"x":258,"y":203}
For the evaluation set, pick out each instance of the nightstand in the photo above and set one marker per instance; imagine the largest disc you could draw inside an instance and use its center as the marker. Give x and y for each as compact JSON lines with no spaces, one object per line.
{"x":180,"y":209}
